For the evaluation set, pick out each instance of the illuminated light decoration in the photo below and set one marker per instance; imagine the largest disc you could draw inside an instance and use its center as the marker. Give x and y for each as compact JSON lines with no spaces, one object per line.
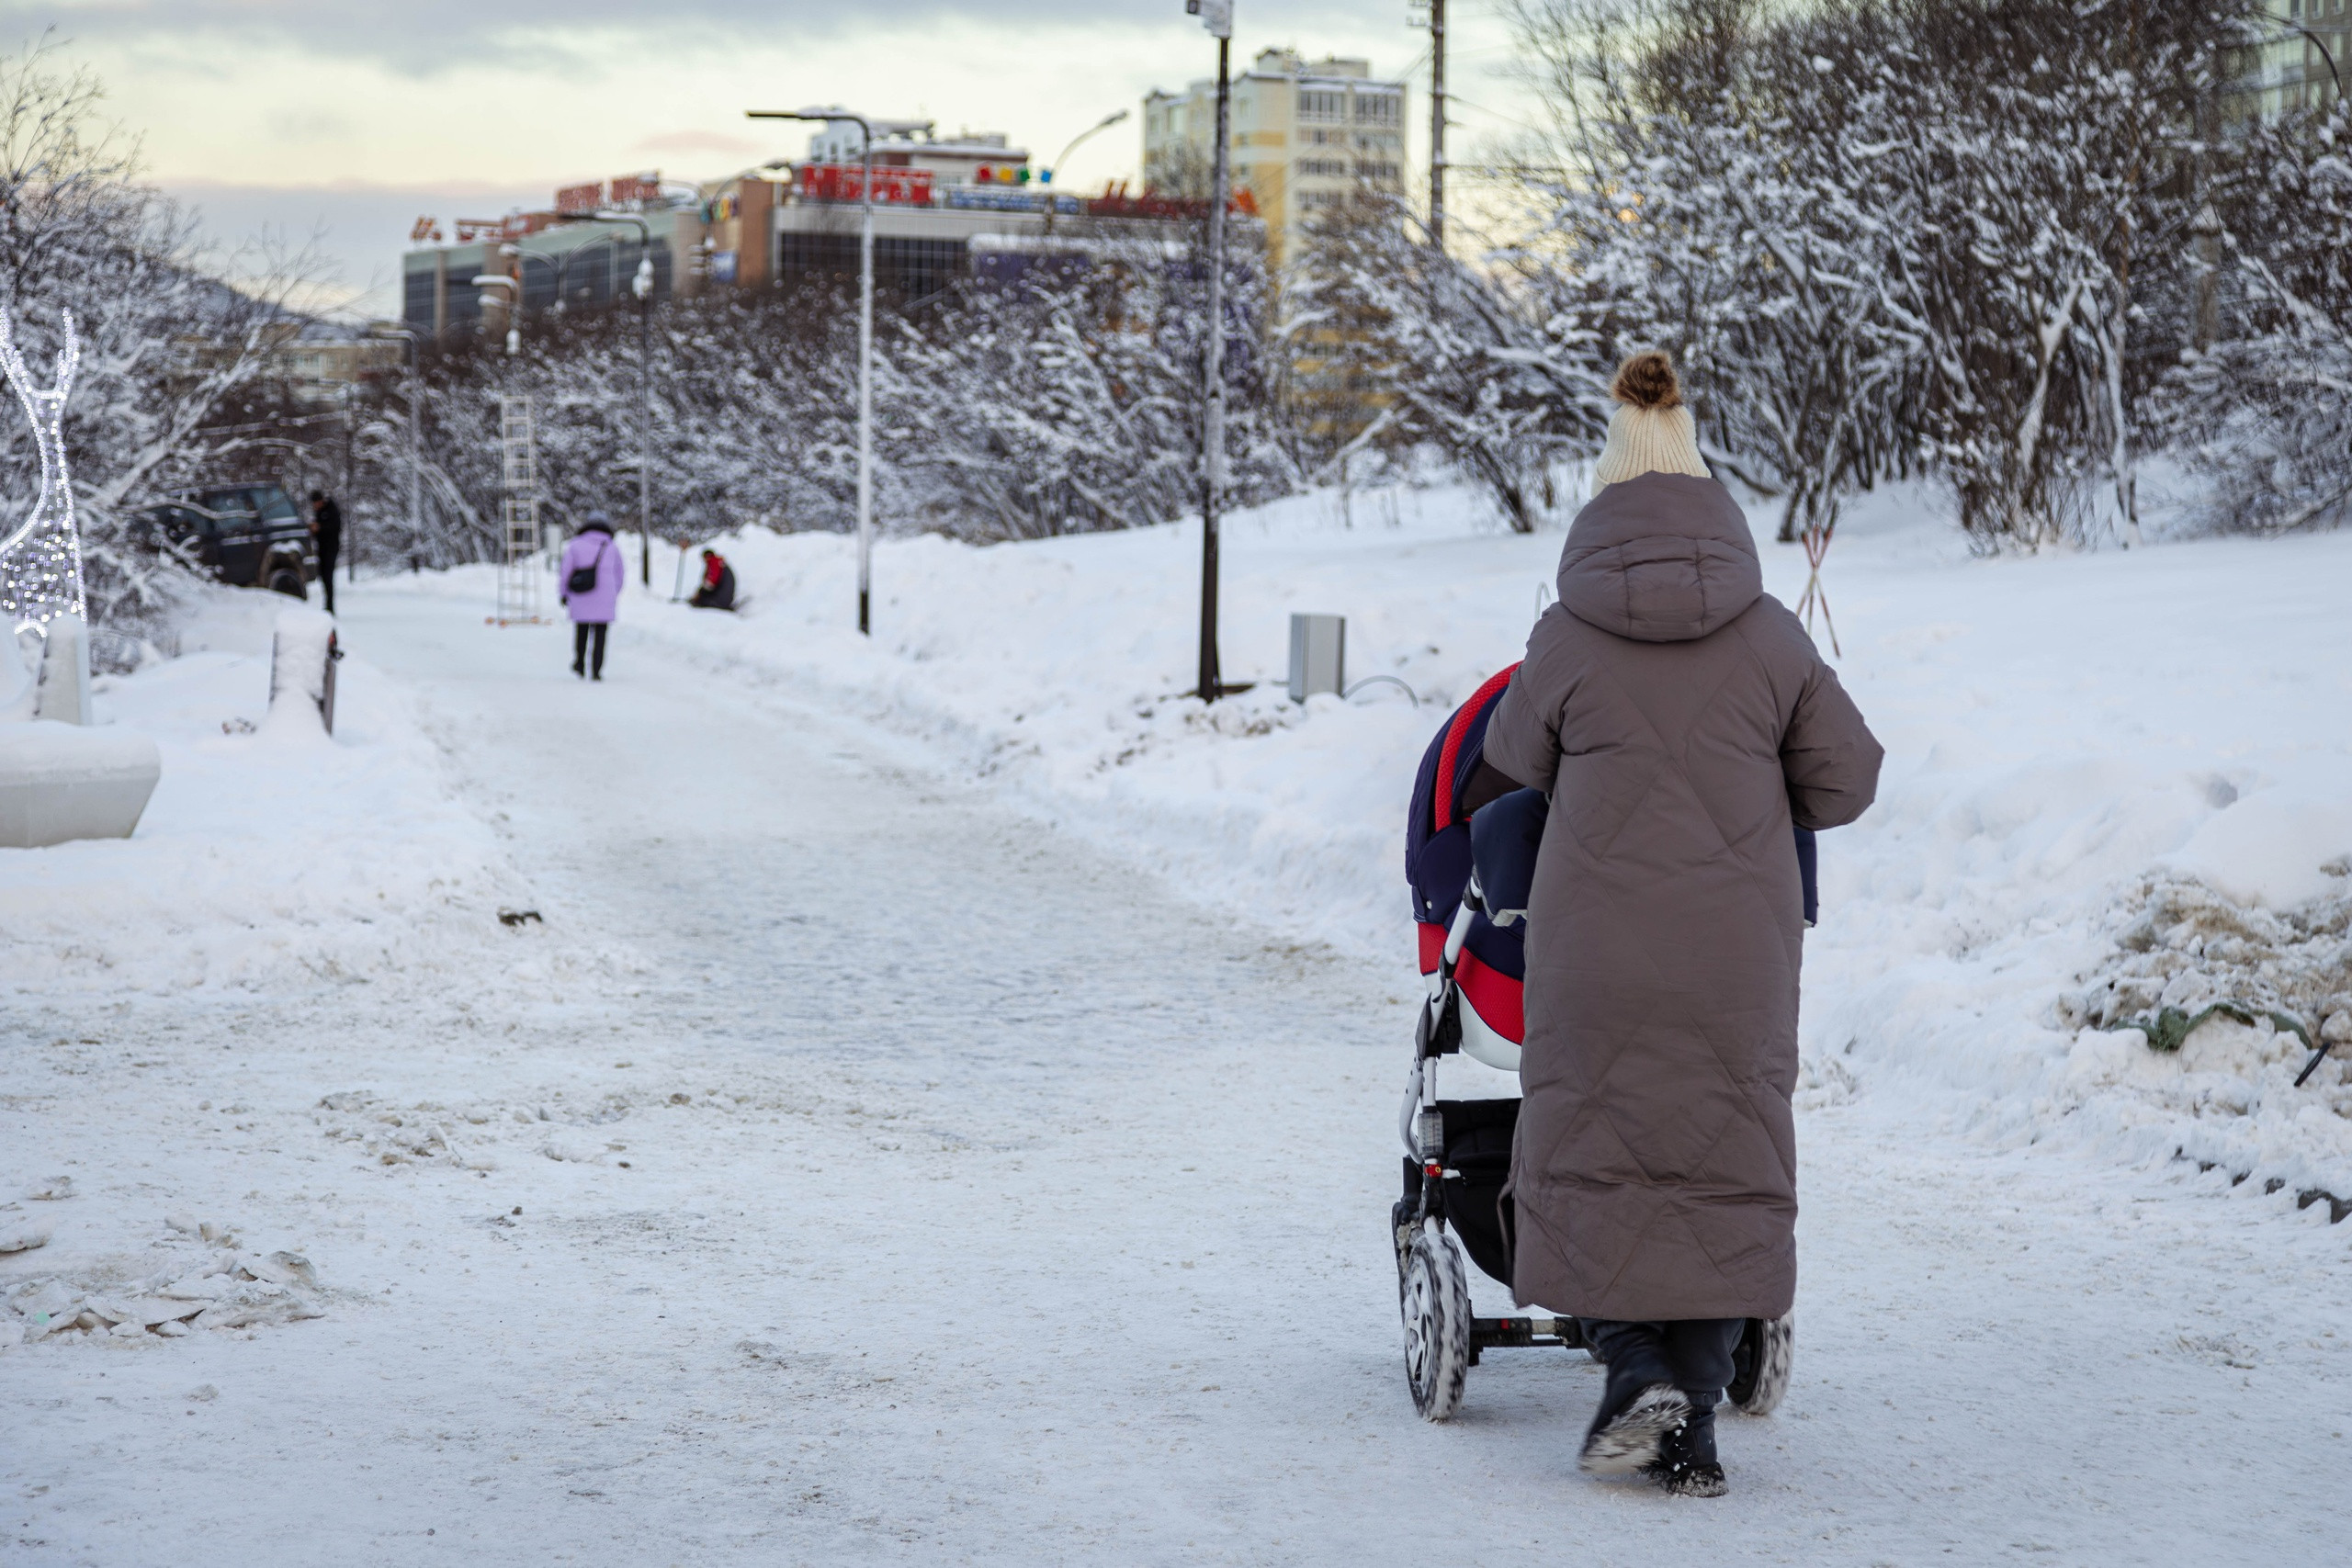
{"x":40,"y":560}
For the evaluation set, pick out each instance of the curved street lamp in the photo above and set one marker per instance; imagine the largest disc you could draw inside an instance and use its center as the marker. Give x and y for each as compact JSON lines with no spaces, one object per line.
{"x":866,"y":128}
{"x":694,"y":197}
{"x":642,"y":286}
{"x":513,"y":307}
{"x":1054,"y":171}
{"x":551,"y":263}
{"x":2314,"y":39}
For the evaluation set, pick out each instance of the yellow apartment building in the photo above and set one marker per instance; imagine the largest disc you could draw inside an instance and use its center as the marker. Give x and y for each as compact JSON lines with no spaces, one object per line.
{"x":1305,"y":135}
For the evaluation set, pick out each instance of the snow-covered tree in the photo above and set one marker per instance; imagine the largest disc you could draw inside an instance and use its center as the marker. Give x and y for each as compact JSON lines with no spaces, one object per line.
{"x":1065,"y":398}
{"x":1716,"y":189}
{"x":1887,"y":235}
{"x":2261,"y":404}
{"x":1392,"y":342}
{"x":172,"y":359}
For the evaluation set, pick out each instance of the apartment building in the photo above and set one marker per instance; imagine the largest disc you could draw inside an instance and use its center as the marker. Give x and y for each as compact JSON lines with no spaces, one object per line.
{"x":1305,"y":135}
{"x":944,"y":209}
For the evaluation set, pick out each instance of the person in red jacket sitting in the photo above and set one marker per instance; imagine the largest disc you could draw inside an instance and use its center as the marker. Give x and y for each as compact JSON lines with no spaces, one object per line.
{"x":717,"y":589}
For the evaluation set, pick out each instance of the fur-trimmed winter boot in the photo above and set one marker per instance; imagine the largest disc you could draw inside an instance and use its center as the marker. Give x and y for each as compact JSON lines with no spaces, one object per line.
{"x":1628,"y":1429}
{"x":1685,"y":1464}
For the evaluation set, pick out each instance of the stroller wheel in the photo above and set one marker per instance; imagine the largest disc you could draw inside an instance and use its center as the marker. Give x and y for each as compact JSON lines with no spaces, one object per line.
{"x":1760,"y":1365}
{"x":1434,"y":1297}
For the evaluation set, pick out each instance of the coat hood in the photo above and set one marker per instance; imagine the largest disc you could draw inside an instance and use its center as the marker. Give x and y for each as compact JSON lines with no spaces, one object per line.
{"x":1661,"y":558}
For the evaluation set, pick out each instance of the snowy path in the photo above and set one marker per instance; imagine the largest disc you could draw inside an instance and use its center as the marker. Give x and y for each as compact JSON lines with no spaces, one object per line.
{"x":983,"y":1202}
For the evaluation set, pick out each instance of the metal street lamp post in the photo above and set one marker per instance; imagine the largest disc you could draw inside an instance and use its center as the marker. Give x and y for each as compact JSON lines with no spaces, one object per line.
{"x":1054,"y":172}
{"x":2315,"y":41}
{"x":642,"y":286}
{"x":1216,"y":16}
{"x":560,"y":262}
{"x":513,"y":307}
{"x":864,"y":333}
{"x":763,"y":171}
{"x":553,"y":264}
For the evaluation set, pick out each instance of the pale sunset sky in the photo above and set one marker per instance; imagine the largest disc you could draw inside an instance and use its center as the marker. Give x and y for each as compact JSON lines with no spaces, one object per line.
{"x":351,"y":121}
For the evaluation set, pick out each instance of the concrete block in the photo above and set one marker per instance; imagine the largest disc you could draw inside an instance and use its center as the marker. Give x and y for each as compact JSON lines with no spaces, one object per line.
{"x":62,"y":780}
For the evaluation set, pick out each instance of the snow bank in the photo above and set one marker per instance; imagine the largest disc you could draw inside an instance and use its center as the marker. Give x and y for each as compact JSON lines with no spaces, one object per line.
{"x":2271,"y":849}
{"x":265,"y":856}
{"x":60,"y":782}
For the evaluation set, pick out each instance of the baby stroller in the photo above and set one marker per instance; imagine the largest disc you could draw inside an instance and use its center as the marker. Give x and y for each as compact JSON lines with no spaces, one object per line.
{"x":1470,"y":856}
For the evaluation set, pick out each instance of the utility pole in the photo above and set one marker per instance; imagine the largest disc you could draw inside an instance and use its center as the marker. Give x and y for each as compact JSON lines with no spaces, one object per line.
{"x":1216,"y":16}
{"x":1437,"y":124}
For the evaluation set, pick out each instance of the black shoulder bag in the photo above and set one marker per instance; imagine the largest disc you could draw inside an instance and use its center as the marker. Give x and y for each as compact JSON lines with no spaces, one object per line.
{"x":584,"y":578}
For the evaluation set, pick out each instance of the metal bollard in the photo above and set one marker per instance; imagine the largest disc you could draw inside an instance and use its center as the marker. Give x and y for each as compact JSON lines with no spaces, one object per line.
{"x":303,"y":655}
{"x":1318,"y":655}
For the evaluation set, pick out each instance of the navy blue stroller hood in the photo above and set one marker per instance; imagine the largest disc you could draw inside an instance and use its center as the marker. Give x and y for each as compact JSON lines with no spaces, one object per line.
{"x":1466,"y":812}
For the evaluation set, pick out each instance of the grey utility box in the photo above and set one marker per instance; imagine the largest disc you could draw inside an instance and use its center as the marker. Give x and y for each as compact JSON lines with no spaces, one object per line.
{"x":1318,"y":655}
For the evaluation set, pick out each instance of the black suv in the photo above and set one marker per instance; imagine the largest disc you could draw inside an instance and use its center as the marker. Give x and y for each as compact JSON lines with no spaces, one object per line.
{"x":248,"y":536}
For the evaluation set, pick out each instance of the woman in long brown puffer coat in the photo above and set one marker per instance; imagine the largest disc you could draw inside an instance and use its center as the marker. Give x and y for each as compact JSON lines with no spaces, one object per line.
{"x":1683,"y":723}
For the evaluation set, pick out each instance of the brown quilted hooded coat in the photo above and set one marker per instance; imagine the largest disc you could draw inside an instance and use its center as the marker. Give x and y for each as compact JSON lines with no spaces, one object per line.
{"x":1680,"y":720}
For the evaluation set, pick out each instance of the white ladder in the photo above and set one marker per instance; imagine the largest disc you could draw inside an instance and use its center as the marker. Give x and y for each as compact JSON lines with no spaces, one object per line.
{"x":518,"y":562}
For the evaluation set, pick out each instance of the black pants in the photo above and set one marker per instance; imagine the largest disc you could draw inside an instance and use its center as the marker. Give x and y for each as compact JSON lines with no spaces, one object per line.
{"x":326,"y":576}
{"x":1692,"y":1353}
{"x":579,"y":646}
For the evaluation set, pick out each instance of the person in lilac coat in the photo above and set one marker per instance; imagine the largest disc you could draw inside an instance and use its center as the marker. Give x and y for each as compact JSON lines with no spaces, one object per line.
{"x":591,"y":555}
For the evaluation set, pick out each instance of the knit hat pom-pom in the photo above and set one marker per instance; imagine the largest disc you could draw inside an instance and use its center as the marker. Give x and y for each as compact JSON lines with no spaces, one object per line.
{"x":1646,"y":382}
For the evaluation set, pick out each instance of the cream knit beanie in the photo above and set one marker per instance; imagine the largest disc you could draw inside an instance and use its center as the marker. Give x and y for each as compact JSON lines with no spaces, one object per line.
{"x":1651,"y":432}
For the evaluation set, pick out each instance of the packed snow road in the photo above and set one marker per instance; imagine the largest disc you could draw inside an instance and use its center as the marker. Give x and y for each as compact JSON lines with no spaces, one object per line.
{"x":843,"y":1169}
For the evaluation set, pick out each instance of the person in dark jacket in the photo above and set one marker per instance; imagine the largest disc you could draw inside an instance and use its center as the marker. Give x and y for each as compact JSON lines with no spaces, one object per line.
{"x":326,"y":539}
{"x":1683,"y":724}
{"x":717,"y":589}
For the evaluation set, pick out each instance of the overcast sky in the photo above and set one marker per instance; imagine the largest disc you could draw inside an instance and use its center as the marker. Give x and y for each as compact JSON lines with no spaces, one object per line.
{"x":359,"y":117}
